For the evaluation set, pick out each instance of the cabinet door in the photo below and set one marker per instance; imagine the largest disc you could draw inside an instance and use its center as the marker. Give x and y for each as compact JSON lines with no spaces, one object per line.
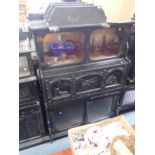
{"x":59,"y":88}
{"x":30,"y":123}
{"x":100,"y":108}
{"x":67,"y":116}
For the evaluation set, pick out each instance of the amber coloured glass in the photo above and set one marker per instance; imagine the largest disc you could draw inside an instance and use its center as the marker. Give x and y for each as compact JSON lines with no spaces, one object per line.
{"x":63,"y":48}
{"x":106,"y":43}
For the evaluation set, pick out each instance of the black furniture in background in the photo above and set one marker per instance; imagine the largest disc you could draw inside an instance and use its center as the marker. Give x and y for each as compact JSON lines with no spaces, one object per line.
{"x":31,"y":124}
{"x":127,"y":100}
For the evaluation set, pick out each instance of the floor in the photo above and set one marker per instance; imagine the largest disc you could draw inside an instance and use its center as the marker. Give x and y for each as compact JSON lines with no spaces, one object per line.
{"x":60,"y":144}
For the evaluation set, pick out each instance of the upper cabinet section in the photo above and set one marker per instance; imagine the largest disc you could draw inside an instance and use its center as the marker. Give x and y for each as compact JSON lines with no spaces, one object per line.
{"x":77,"y":33}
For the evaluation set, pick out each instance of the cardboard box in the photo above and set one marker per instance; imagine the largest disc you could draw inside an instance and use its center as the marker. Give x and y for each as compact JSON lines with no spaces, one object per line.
{"x":84,"y":128}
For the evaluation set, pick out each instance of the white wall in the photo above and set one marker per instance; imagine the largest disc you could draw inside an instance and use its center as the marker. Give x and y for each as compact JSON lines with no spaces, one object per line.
{"x":116,"y":10}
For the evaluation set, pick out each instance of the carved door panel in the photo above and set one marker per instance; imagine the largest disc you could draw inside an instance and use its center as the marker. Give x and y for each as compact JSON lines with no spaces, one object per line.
{"x":89,"y":82}
{"x":115,"y":78}
{"x":60,"y":88}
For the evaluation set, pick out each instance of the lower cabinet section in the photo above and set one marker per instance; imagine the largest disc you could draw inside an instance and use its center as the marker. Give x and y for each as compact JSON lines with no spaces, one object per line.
{"x":79,"y":112}
{"x":30,"y":123}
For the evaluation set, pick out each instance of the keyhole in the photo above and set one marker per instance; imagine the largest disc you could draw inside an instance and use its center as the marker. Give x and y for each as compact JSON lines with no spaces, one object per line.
{"x":25,"y":69}
{"x":60,"y":113}
{"x":120,"y":29}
